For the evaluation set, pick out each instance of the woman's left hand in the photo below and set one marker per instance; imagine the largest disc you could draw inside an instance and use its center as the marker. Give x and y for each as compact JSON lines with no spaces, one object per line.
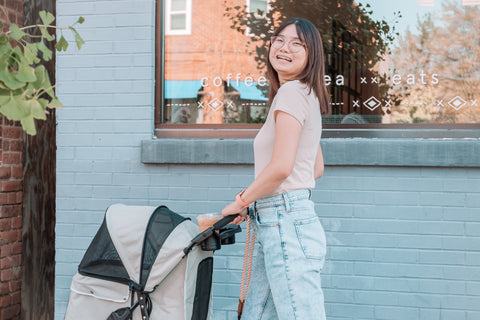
{"x":235,"y":208}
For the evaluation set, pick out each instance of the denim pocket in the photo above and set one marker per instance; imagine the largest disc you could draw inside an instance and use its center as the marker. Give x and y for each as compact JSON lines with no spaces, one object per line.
{"x":267,"y":217}
{"x":311,"y":236}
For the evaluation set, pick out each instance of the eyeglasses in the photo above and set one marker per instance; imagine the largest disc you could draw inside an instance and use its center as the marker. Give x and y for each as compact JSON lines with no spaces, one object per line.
{"x":293,"y":45}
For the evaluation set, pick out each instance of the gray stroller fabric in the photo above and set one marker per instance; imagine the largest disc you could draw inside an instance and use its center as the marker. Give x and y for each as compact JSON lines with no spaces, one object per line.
{"x":136,"y":268}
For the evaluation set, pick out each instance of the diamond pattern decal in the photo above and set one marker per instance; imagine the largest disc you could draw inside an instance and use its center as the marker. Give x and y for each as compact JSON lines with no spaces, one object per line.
{"x":215,"y":104}
{"x":372,"y":103}
{"x":457,"y":103}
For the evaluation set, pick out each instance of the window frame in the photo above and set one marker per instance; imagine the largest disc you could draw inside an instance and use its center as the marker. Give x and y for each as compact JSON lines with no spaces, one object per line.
{"x":248,"y":131}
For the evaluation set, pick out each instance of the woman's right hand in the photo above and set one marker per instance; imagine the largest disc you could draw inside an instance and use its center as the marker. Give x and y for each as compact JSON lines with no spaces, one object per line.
{"x":235,"y":208}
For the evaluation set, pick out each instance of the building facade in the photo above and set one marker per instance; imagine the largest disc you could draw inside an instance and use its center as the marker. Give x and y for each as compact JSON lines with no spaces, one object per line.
{"x":400,"y":206}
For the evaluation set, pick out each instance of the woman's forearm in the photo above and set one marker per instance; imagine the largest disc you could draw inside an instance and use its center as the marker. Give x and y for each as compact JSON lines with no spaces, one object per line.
{"x":267,"y":181}
{"x":319,"y":164}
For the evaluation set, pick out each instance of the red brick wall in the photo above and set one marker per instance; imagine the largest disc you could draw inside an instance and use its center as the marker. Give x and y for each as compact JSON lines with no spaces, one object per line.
{"x":11,"y":173}
{"x":212,"y":50}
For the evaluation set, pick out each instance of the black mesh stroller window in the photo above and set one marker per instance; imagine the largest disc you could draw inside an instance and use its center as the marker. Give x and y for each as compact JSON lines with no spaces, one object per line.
{"x":161,"y":224}
{"x":102,"y":260}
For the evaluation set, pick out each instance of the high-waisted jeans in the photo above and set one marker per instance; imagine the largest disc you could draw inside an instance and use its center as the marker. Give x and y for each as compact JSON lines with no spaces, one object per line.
{"x":285,"y":282}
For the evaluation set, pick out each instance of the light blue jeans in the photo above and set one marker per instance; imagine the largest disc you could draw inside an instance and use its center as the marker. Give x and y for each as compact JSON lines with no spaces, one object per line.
{"x":285,"y":282}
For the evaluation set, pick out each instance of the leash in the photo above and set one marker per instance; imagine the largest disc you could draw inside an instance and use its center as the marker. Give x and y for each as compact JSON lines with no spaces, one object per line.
{"x":247,"y":267}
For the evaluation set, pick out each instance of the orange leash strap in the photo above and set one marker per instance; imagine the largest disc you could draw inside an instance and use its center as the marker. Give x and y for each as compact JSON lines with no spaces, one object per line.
{"x":247,"y":268}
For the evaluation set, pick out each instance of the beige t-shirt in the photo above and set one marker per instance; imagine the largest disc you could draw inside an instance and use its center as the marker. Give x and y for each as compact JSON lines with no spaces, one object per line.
{"x":293,"y":98}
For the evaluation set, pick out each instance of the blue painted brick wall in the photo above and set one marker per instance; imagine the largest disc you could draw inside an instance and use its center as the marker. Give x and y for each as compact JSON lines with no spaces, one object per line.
{"x":403,"y":243}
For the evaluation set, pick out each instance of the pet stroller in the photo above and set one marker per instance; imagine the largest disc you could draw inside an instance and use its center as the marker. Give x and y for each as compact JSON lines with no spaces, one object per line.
{"x":147,"y":263}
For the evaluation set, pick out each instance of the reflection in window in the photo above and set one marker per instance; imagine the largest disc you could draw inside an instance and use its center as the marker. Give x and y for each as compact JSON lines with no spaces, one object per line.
{"x":211,"y":77}
{"x":256,"y":6}
{"x":426,"y":3}
{"x":470,"y":2}
{"x":178,"y":16}
{"x":408,"y":62}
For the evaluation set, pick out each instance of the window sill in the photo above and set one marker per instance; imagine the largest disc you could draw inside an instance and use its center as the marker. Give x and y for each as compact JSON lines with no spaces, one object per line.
{"x":408,"y":152}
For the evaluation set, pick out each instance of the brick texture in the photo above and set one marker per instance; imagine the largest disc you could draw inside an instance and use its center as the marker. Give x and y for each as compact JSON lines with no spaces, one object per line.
{"x":402,"y":241}
{"x":11,"y":173}
{"x":10,"y":219}
{"x":205,"y":54}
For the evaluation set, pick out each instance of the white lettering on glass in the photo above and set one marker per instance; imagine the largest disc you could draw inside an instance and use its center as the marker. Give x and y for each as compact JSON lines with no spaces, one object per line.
{"x":328,"y":80}
{"x":262,"y":81}
{"x":397,"y":79}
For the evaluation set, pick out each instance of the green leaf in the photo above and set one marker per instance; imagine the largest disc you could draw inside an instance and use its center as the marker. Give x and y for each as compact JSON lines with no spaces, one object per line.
{"x":36,"y":109}
{"x":81,"y":20}
{"x":78,"y":39}
{"x":55,"y":103}
{"x":34,"y":50}
{"x":47,"y":86}
{"x":4,"y":95}
{"x":47,"y":53}
{"x":1,"y":24}
{"x":3,"y":39}
{"x":62,"y":44}
{"x":30,"y":52}
{"x":43,"y":103}
{"x":34,"y":87}
{"x":5,"y":46}
{"x":7,"y":77}
{"x":25,"y":73}
{"x":43,"y":82}
{"x":28,"y":125}
{"x":16,"y":33}
{"x":40,"y":73}
{"x":12,"y":110}
{"x":46,"y":35}
{"x":47,"y":17}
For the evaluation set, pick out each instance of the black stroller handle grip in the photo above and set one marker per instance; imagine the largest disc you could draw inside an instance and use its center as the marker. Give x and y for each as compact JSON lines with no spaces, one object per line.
{"x":224,"y":221}
{"x":207,"y":233}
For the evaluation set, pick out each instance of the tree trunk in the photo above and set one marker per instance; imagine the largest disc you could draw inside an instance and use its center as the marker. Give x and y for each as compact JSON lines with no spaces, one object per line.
{"x":38,"y":248}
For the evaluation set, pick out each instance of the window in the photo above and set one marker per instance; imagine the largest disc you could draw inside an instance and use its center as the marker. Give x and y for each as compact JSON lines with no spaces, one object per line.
{"x":256,"y":5}
{"x":385,"y":68}
{"x":178,"y":17}
{"x":259,"y":9}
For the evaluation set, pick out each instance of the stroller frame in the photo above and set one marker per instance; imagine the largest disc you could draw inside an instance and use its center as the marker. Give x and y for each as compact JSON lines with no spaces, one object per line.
{"x":171,"y":251}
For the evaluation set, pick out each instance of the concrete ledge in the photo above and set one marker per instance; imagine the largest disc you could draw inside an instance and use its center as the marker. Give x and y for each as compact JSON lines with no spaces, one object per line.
{"x":402,"y":152}
{"x":198,"y":151}
{"x":337,"y":152}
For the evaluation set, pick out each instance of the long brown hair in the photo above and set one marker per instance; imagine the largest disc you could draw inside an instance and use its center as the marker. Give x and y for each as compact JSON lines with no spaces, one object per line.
{"x":314,"y":73}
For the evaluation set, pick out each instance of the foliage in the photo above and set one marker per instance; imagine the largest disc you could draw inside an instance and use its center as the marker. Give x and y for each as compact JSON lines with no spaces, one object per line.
{"x":353,"y":41}
{"x":369,"y":39}
{"x":26,"y":92}
{"x":447,"y":44}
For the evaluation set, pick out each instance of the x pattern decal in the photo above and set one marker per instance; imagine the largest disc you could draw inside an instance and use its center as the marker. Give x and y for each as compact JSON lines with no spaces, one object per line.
{"x":372,"y":103}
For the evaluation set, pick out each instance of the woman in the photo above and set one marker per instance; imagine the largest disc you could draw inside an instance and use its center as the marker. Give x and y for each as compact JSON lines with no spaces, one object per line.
{"x":288,"y":159}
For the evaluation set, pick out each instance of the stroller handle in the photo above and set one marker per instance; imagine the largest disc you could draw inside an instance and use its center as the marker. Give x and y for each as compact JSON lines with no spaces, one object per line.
{"x":208,"y":233}
{"x":224,"y":221}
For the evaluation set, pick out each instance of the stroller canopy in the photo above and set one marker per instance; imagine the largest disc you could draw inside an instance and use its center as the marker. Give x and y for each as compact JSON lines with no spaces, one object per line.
{"x":115,"y":252}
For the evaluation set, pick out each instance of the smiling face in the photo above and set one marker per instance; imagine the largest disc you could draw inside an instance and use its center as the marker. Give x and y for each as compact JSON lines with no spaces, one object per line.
{"x":288,"y":64}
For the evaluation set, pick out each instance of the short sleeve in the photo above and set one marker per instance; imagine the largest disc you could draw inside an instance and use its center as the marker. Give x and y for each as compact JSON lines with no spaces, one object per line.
{"x":291,"y":98}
